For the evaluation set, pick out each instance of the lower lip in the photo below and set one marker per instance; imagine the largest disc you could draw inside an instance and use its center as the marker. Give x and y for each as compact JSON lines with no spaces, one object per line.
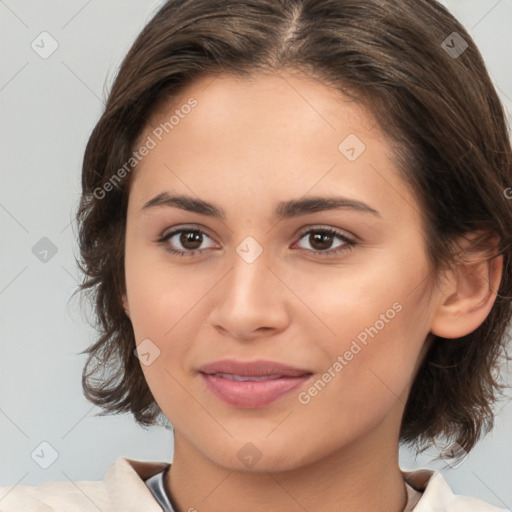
{"x":252,"y":394}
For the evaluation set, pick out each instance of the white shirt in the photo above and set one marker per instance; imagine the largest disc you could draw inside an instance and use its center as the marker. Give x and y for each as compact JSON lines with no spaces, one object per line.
{"x":124,"y":489}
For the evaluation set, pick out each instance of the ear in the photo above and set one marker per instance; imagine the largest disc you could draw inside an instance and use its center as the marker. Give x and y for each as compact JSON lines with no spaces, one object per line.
{"x":468,"y":291}
{"x":125,"y":305}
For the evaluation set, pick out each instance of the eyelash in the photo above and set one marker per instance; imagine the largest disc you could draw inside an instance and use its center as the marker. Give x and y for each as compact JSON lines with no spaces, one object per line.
{"x":348,"y":243}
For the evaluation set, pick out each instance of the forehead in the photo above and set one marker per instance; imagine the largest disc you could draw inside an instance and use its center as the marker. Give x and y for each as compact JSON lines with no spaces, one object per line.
{"x":267,"y":133}
{"x":283,"y":102}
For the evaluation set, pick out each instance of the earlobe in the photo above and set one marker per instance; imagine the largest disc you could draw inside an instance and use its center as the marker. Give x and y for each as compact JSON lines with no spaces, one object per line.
{"x":125,"y":306}
{"x":467,"y":296}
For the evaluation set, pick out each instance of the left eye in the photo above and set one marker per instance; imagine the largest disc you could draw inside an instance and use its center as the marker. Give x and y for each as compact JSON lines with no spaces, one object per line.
{"x":319,"y":239}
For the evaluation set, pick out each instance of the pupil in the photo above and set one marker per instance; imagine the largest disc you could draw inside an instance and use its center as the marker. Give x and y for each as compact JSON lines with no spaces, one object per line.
{"x":318,"y":237}
{"x":189,"y":237}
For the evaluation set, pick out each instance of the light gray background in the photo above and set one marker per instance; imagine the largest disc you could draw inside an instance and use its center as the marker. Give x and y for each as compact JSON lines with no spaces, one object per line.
{"x":48,"y":109}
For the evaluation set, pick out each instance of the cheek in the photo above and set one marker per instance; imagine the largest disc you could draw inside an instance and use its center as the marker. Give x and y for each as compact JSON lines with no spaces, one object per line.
{"x":352,"y":298}
{"x":369,"y":370}
{"x":160,"y":294}
{"x":377,"y":322}
{"x":167,"y":308}
{"x":162,"y":311}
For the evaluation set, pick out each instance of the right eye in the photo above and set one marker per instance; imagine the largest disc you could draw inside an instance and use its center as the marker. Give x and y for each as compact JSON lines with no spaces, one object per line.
{"x":188,"y":238}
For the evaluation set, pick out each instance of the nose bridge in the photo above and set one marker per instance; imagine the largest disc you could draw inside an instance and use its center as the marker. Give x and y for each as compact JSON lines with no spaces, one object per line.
{"x":249,"y":276}
{"x":251,"y":296}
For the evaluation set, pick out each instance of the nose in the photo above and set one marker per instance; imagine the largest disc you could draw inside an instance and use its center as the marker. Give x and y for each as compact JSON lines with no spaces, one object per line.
{"x":251,"y":300}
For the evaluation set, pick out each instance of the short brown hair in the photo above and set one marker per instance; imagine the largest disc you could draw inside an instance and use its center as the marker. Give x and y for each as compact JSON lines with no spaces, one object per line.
{"x":437,"y":103}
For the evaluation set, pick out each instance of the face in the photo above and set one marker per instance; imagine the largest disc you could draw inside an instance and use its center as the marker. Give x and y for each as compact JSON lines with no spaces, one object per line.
{"x":309,"y":254}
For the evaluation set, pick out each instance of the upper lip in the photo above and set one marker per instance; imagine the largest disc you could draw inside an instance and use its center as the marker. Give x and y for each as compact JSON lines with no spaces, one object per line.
{"x":260,"y":368}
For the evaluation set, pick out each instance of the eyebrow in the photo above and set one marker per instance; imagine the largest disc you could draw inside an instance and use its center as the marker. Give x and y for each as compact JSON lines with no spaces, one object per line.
{"x":283,"y":210}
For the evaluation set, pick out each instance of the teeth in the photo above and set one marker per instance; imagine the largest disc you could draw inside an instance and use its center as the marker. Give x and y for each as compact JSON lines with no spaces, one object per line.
{"x":241,"y":378}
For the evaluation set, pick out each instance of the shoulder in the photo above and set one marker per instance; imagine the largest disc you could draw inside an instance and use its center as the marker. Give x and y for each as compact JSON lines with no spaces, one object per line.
{"x":54,"y":496}
{"x":437,"y":495}
{"x":123,"y":488}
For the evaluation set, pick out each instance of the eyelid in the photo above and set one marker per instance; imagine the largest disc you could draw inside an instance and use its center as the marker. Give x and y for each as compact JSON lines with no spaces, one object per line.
{"x":186,"y":227}
{"x":164,"y":238}
{"x":322,"y":227}
{"x":349,"y":240}
{"x":303,"y":230}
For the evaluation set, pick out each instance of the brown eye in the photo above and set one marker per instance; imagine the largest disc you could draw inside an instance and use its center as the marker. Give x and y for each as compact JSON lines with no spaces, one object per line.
{"x":184,"y":242}
{"x":321,"y":241}
{"x":191,"y":240}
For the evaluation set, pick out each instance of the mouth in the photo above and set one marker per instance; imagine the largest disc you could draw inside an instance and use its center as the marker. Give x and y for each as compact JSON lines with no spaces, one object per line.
{"x":250,"y":385}
{"x":241,"y":378}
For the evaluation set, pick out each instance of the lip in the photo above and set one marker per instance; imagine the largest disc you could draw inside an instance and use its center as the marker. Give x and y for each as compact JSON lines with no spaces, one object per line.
{"x":281,"y":380}
{"x":259,"y":368}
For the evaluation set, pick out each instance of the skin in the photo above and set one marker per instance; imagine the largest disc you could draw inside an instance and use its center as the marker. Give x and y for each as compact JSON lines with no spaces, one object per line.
{"x":271,"y":138}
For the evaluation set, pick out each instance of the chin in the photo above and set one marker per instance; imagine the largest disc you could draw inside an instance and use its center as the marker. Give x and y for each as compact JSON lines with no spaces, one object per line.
{"x":246,"y":456}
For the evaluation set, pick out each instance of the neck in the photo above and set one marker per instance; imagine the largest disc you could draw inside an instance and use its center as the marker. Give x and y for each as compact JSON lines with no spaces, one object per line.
{"x":363,"y":476}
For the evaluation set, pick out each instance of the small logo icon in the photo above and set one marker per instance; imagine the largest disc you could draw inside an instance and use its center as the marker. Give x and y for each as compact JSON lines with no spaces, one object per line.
{"x":249,"y":455}
{"x":454,"y":455}
{"x":44,"y":250}
{"x":454,"y":45}
{"x":146,"y":351}
{"x":352,"y":147}
{"x":44,"y":455}
{"x":44,"y":45}
{"x":249,"y":250}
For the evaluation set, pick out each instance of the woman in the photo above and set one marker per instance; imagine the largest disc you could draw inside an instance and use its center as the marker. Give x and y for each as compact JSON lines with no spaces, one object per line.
{"x":295,"y":231}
